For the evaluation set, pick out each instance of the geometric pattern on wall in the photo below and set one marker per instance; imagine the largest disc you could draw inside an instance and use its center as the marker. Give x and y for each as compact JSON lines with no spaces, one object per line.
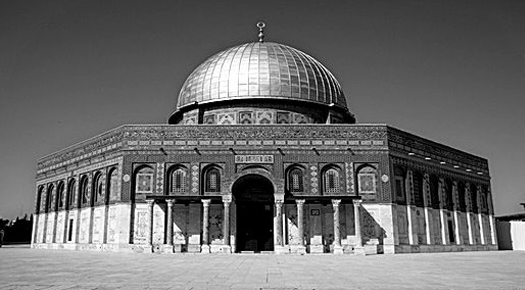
{"x":246,"y":117}
{"x":283,"y":117}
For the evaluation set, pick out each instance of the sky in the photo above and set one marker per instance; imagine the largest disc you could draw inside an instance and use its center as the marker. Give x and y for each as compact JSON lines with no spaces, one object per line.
{"x":449,"y":71}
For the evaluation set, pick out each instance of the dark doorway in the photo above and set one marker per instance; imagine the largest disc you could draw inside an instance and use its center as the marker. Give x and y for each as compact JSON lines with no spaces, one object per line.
{"x":254,"y":200}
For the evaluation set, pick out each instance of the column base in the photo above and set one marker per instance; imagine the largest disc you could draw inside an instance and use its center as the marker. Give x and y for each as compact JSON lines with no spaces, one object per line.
{"x":225,"y":249}
{"x":205,"y":249}
{"x":282,"y":250}
{"x":300,"y":250}
{"x":338,"y":249}
{"x":366,"y":250}
{"x":166,"y":249}
{"x":316,"y":249}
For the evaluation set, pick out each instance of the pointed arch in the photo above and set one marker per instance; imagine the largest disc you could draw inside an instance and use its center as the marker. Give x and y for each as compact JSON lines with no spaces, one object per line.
{"x":84,"y":190}
{"x":112,"y":185}
{"x":49,"y":197}
{"x":70,"y":193}
{"x":98,"y":188}
{"x":399,"y":185}
{"x":143,"y":180}
{"x":295,"y":179}
{"x":39,"y":194}
{"x":177,"y":179}
{"x":366,"y":179}
{"x":60,"y":195}
{"x":212,"y":179}
{"x":331,"y":179}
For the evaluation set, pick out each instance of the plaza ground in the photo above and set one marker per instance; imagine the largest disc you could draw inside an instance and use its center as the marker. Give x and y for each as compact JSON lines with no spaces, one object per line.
{"x":23,"y":268}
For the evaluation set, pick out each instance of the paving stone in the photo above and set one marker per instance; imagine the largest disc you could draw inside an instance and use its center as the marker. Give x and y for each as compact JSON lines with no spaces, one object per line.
{"x":23,"y":268}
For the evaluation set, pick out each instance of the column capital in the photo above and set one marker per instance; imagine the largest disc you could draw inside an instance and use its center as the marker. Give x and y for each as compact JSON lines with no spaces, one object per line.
{"x":357,"y":202}
{"x":336,"y":202}
{"x":206,"y":202}
{"x":150,"y":202}
{"x":279,"y":198}
{"x":170,"y":201}
{"x":227,"y":198}
{"x":300,"y":201}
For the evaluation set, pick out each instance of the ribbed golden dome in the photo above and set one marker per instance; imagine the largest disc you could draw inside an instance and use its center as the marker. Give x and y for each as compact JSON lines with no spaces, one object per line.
{"x":261,"y":70}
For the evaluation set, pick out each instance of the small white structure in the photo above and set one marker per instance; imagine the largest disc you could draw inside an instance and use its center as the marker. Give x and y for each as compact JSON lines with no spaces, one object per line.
{"x":511,"y":232}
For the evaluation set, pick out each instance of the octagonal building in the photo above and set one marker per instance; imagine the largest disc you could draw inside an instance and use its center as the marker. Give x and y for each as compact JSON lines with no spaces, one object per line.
{"x":262,"y":154}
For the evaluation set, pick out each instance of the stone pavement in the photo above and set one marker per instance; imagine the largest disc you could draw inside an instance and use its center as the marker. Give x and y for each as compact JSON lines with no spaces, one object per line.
{"x":23,"y":268}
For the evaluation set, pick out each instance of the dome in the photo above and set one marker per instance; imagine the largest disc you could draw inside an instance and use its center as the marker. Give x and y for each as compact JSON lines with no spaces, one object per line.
{"x":265,"y":72}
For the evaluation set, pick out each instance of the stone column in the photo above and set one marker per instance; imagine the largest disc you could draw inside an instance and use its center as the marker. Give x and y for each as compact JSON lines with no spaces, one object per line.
{"x":169,"y":221}
{"x":151,"y":203}
{"x":55,"y":215}
{"x":442,"y":214}
{"x":34,"y":239}
{"x":469,"y":213}
{"x":481,"y":209}
{"x":226,"y":201}
{"x":357,"y":222}
{"x":455,"y":196}
{"x":338,"y":249}
{"x":301,"y":249}
{"x":410,"y":207}
{"x":427,"y":201}
{"x":66,"y":222}
{"x":106,"y":223}
{"x":278,"y":223}
{"x":205,"y":247}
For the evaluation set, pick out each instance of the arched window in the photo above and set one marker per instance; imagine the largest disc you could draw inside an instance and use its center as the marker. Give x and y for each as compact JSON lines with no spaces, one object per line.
{"x":461,"y":196}
{"x":112,"y":186}
{"x":39,"y":199}
{"x":60,"y":195}
{"x":49,"y":198}
{"x":70,"y":193}
{"x":399,"y":185}
{"x":448,"y":194}
{"x":212,"y":180}
{"x":434,"y":191}
{"x":84,"y":192}
{"x":474,"y":197}
{"x":331,"y":181}
{"x":98,"y":192}
{"x":178,"y":181}
{"x":144,"y":180}
{"x":367,"y":180}
{"x":418,"y":189}
{"x":295,"y":180}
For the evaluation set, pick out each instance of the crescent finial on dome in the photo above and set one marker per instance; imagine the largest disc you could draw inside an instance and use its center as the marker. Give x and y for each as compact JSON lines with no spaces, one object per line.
{"x":261,"y":26}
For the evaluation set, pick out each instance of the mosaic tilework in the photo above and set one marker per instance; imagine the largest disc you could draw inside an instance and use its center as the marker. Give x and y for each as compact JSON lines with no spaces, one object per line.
{"x":349,"y":177}
{"x":314,"y":180}
{"x":160,"y":178}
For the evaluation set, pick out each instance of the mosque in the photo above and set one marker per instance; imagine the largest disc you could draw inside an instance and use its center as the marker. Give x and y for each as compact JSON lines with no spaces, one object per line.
{"x":263,"y":155}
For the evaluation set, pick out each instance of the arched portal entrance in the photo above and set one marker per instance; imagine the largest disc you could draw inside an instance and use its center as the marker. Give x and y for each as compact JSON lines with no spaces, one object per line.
{"x":254,"y":199}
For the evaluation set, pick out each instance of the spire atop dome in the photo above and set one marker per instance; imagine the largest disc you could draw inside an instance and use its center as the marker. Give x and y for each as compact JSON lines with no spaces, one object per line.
{"x":261,"y":26}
